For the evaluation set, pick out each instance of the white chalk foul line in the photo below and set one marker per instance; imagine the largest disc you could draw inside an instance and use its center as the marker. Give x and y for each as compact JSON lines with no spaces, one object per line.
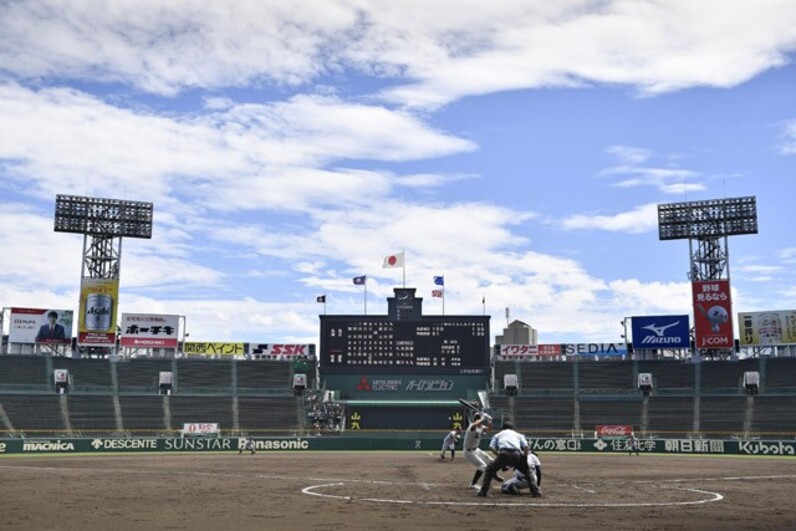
{"x":712,"y":497}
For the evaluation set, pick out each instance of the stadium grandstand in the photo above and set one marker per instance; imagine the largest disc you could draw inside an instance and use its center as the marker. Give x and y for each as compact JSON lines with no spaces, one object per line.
{"x":706,"y":399}
{"x":126,"y":397}
{"x":551,"y":399}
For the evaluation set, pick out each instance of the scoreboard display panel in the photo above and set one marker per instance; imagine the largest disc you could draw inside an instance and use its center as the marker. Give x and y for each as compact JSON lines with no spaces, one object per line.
{"x":426,"y":345}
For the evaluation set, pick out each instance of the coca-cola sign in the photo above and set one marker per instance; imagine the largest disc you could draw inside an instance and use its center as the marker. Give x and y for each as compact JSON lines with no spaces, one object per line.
{"x":613,"y":430}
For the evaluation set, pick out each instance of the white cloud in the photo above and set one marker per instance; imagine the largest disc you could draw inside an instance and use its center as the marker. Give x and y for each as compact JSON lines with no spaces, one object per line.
{"x":654,"y":46}
{"x":65,"y":139}
{"x":166,"y":48}
{"x":758,"y":269}
{"x":788,"y":144}
{"x":43,"y":256}
{"x":643,"y":218}
{"x":788,"y":254}
{"x":670,"y":180}
{"x":629,"y":154}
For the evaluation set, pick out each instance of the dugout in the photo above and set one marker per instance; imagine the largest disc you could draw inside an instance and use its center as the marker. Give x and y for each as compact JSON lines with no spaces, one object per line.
{"x":405,"y":415}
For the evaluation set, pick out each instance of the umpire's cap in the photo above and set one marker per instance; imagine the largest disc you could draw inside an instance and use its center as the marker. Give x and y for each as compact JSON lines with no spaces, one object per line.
{"x":507,"y":426}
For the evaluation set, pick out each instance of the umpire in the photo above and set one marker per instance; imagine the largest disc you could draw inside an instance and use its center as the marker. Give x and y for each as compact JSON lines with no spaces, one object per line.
{"x":511,"y":449}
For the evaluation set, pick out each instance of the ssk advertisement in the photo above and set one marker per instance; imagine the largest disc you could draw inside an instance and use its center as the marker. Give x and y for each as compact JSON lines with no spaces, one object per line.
{"x":149,"y":330}
{"x":35,"y":325}
{"x":99,"y":298}
{"x":712,"y":310}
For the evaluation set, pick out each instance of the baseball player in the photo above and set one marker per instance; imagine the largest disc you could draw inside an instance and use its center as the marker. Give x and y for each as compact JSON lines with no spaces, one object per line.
{"x":248,"y":444}
{"x":632,"y":445}
{"x":519,"y":481}
{"x":449,"y":443}
{"x":472,"y":440}
{"x":511,"y":449}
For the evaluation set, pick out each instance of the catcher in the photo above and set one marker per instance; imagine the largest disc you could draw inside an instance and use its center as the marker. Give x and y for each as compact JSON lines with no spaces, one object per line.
{"x":519,"y":481}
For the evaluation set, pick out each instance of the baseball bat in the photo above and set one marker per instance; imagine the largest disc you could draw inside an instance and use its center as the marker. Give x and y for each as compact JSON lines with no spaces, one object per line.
{"x":467,"y":404}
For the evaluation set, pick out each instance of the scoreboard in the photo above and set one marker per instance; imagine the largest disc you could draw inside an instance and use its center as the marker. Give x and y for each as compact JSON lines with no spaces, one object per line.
{"x":404,"y":342}
{"x":451,"y":345}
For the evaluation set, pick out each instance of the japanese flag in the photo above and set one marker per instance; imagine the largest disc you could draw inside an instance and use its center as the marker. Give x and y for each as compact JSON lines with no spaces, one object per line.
{"x":394,"y":260}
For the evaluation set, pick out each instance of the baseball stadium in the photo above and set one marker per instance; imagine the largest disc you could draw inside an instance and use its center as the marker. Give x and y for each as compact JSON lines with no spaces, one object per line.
{"x":348,"y":434}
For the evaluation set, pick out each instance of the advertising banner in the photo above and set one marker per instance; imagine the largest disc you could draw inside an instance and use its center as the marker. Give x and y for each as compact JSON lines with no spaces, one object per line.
{"x":395,"y":385}
{"x":34,"y":325}
{"x":149,"y":330}
{"x":517,"y":351}
{"x":712,"y":310}
{"x":397,"y":442}
{"x":613,"y":430}
{"x":214,"y":349}
{"x":510,"y":352}
{"x":201,"y":428}
{"x":661,"y":331}
{"x":594,"y":349}
{"x":99,"y":298}
{"x":775,"y":327}
{"x":278,"y":351}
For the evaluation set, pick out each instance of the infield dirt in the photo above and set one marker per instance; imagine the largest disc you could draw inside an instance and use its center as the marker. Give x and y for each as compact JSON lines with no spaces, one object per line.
{"x":396,"y":490}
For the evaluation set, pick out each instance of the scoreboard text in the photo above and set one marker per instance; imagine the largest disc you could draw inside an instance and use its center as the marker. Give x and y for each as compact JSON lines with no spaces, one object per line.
{"x":432,"y":344}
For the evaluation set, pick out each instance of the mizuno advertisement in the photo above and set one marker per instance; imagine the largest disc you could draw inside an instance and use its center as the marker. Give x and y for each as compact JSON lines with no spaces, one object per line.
{"x":660,"y":331}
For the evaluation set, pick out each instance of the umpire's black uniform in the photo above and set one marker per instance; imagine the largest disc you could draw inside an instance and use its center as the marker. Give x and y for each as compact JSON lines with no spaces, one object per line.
{"x":512,"y":450}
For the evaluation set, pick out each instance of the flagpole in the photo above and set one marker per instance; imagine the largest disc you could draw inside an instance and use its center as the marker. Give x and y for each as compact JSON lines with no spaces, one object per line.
{"x":403,"y":253}
{"x":324,"y":305}
{"x":366,"y":295}
{"x":483,"y":303}
{"x":443,"y":300}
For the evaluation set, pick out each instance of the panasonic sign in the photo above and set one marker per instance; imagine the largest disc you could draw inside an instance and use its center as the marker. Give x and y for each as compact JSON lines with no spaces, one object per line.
{"x":661,"y":331}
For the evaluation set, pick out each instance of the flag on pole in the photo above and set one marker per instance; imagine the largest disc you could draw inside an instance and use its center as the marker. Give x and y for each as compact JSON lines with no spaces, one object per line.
{"x":320,"y":298}
{"x":360,"y":281}
{"x":439,"y":281}
{"x":437,"y":293}
{"x":394,"y":260}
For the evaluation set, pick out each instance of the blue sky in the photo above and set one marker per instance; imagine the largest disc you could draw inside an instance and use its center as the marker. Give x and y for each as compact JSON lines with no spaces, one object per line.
{"x":517,"y":148}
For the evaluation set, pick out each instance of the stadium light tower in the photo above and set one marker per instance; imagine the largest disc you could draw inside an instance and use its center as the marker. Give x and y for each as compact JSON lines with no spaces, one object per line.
{"x":103,"y":223}
{"x":706,"y":225}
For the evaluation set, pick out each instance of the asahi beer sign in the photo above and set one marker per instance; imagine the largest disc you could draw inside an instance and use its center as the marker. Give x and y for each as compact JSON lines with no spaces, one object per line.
{"x":149,"y":330}
{"x":660,"y":331}
{"x":98,"y":303}
{"x":37,"y":325}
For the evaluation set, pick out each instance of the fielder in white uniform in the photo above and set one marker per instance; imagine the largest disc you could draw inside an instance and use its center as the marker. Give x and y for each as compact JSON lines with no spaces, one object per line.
{"x":471,"y":445}
{"x":449,"y":443}
{"x":519,"y":481}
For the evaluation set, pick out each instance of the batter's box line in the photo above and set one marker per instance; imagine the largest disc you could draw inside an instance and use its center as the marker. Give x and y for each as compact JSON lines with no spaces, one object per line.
{"x":713,"y":497}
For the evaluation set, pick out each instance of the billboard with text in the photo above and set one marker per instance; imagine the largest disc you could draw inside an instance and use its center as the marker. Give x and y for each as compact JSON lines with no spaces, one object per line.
{"x":99,"y":299}
{"x":660,"y":331}
{"x":36,"y":325}
{"x":776,"y":327}
{"x":712,"y":310}
{"x":145,"y":330}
